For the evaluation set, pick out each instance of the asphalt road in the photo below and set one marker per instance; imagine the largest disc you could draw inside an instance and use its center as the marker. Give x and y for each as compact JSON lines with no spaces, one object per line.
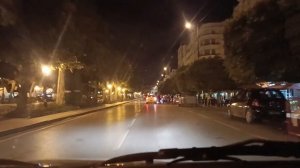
{"x":130,"y":128}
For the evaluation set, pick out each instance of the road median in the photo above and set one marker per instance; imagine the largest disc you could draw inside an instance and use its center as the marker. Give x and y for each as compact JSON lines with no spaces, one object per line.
{"x":17,"y":125}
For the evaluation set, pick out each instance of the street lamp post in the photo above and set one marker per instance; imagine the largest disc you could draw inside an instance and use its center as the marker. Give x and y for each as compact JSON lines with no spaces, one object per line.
{"x":119,"y":89}
{"x":189,"y":26}
{"x":123,"y":93}
{"x":109,"y":86}
{"x":46,"y":70}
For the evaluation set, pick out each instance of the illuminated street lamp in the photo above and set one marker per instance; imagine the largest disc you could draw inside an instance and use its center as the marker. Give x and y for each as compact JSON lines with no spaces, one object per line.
{"x":165,"y":68}
{"x":46,"y":70}
{"x":188,"y":25}
{"x":162,"y":75}
{"x":109,"y":86}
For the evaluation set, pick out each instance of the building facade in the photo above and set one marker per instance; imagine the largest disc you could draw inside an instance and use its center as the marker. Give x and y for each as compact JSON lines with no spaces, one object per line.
{"x":211,"y":40}
{"x":206,"y":41}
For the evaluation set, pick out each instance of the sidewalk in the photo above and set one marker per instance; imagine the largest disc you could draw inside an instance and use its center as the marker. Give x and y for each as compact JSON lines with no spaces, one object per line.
{"x":6,"y":108}
{"x":16,"y":125}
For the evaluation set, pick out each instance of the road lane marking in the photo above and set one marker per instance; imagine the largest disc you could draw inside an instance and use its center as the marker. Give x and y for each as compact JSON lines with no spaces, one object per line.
{"x":132,"y":122}
{"x":125,"y":135}
{"x":122,"y":140}
{"x":228,"y":125}
{"x":38,"y":129}
{"x":55,"y":124}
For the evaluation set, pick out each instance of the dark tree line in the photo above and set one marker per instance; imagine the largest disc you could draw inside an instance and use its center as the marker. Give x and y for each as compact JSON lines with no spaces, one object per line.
{"x":203,"y":75}
{"x":52,"y":32}
{"x":260,"y":45}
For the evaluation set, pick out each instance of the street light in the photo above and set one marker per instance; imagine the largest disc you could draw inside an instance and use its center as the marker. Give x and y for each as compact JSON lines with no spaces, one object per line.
{"x":123,"y":93}
{"x":162,"y":75}
{"x":165,"y":68}
{"x":188,"y":25}
{"x":109,"y":86}
{"x":46,"y":70}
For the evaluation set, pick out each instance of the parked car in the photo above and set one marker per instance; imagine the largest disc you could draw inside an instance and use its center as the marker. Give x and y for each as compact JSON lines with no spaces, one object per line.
{"x":151,"y":99}
{"x":256,"y":104}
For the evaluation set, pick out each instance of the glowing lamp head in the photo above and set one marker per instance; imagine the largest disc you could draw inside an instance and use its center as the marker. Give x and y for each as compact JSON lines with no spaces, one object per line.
{"x":46,"y":70}
{"x":188,"y":25}
{"x":109,"y":86}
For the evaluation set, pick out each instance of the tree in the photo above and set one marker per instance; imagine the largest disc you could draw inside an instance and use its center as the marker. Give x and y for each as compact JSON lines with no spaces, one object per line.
{"x":203,"y":75}
{"x":208,"y":75}
{"x":55,"y":31}
{"x":256,"y":48}
{"x":168,"y":87}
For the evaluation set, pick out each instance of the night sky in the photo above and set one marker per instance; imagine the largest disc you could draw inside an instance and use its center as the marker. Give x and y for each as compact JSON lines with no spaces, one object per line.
{"x":151,"y":30}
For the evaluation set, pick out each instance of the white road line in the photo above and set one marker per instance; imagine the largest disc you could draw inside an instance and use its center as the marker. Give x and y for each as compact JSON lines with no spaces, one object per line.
{"x":229,"y":126}
{"x":132,"y":122}
{"x":55,"y":124}
{"x":39,"y":129}
{"x":122,"y":140}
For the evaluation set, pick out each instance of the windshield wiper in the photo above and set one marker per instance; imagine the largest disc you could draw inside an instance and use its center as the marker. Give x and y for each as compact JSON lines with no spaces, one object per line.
{"x":254,"y":147}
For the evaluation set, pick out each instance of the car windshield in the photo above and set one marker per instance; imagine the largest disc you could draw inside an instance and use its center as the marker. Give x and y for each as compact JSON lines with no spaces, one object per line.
{"x":96,"y":79}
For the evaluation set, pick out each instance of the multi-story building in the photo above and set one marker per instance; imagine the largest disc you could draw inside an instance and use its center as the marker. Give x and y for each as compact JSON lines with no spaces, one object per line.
{"x":186,"y":55}
{"x":211,"y":40}
{"x":206,"y":42}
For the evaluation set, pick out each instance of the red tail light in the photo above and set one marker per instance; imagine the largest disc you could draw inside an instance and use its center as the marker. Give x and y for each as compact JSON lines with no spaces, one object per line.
{"x":255,"y":103}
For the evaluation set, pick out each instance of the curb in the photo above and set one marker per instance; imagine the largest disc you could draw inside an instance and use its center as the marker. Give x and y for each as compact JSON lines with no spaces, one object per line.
{"x":27,"y":127}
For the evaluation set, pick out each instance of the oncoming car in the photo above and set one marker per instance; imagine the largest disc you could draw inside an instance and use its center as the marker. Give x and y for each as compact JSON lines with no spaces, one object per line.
{"x":151,"y":99}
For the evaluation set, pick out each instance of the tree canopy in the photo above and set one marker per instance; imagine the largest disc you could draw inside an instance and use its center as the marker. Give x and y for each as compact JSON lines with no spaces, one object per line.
{"x":256,"y":46}
{"x":202,"y":75}
{"x":36,"y":33}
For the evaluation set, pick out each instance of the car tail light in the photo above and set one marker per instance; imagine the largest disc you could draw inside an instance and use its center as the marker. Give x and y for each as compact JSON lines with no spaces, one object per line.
{"x":255,"y":103}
